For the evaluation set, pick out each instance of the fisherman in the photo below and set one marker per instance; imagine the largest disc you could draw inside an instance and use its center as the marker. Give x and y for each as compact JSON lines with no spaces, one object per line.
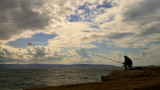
{"x":127,"y":63}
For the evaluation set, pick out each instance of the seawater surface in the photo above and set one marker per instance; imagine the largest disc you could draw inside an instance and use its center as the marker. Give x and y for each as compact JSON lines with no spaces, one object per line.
{"x":18,"y":79}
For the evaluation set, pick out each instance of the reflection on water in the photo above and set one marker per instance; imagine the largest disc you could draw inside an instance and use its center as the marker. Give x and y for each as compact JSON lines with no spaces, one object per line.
{"x":32,"y":78}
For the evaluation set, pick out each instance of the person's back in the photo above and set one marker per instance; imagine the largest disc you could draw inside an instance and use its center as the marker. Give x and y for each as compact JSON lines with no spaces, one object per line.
{"x":128,"y":62}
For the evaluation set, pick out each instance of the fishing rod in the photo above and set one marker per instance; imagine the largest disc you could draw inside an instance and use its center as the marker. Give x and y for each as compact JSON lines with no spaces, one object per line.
{"x":105,"y":57}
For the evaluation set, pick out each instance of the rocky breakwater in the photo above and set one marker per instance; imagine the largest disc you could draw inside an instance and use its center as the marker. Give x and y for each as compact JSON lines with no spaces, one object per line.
{"x":134,"y":73}
{"x":148,"y":77}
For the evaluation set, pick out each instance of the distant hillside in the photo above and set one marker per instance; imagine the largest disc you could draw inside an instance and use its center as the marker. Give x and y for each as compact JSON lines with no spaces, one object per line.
{"x":50,"y":65}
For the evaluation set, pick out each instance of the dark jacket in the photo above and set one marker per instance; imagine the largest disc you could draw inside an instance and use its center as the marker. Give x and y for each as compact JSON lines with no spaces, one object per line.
{"x":128,"y":61}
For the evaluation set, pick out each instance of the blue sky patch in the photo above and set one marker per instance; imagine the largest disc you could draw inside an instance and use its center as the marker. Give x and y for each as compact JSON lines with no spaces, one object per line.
{"x":74,"y":18}
{"x":94,"y":26}
{"x":88,"y":14}
{"x":37,"y":39}
{"x":151,"y":43}
{"x":107,"y":5}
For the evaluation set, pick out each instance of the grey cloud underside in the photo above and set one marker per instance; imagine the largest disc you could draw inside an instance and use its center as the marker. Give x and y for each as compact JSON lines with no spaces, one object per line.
{"x":143,"y":10}
{"x":113,"y":35}
{"x":143,"y":14}
{"x":18,"y":15}
{"x":11,"y":60}
{"x":155,"y":29}
{"x":39,"y":54}
{"x":119,"y":35}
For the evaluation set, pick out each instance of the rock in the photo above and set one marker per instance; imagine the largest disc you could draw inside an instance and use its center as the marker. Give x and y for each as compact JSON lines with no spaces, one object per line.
{"x":134,"y":73}
{"x":105,"y":78}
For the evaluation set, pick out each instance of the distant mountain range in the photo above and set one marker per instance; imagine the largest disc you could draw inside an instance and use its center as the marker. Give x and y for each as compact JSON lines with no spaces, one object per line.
{"x":50,"y":65}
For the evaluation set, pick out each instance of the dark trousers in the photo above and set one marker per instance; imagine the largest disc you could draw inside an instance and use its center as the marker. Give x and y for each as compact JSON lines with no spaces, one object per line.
{"x":127,"y":66}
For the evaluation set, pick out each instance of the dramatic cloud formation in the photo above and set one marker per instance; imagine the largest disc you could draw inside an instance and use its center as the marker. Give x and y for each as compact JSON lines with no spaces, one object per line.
{"x":18,"y":16}
{"x":112,"y":28}
{"x":44,"y":55}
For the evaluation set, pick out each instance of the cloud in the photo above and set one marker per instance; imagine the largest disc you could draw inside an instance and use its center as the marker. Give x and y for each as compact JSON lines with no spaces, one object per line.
{"x":22,"y":19}
{"x":43,"y":55}
{"x":154,"y":29}
{"x":147,"y":56}
{"x":142,"y":12}
{"x":18,"y":16}
{"x":33,"y":54}
{"x":119,"y":35}
{"x":29,"y":44}
{"x":70,"y":35}
{"x":9,"y":56}
{"x":119,"y":23}
{"x":129,"y":23}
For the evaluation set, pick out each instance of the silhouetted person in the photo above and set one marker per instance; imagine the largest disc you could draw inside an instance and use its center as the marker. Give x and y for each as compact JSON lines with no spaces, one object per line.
{"x":127,"y":63}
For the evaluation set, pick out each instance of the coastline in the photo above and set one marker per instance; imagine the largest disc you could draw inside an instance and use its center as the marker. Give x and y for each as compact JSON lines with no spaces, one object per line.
{"x":139,"y":79}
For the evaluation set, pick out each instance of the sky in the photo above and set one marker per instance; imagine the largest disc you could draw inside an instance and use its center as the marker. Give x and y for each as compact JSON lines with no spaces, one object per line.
{"x":65,"y":31}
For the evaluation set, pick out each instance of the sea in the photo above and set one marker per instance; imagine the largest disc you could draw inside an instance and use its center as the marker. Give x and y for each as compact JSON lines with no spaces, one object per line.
{"x":20,"y":78}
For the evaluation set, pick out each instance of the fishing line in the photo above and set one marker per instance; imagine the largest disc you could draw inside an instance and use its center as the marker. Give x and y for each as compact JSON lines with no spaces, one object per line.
{"x":105,"y":57}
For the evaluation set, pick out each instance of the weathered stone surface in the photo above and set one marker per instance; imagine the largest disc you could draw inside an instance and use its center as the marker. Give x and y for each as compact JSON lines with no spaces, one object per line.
{"x":135,"y":73}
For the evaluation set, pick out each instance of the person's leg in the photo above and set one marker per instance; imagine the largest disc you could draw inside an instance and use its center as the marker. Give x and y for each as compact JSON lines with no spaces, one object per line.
{"x":125,"y":67}
{"x":129,"y":67}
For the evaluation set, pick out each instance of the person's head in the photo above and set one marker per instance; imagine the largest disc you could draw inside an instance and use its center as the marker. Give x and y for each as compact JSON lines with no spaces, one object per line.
{"x":125,"y":56}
